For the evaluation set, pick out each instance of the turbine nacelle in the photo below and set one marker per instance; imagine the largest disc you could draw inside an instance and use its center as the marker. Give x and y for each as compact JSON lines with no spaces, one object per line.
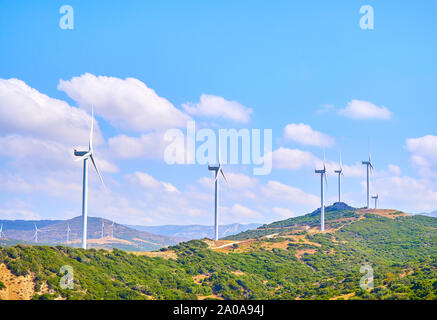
{"x":80,"y":153}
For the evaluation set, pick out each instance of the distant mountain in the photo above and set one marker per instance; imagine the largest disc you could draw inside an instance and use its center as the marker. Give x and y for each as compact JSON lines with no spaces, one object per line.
{"x":191,"y":232}
{"x":429,"y":214}
{"x":55,"y":232}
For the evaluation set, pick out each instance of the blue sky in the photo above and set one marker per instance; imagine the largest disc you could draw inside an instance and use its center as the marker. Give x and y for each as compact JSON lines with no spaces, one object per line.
{"x":286,"y":61}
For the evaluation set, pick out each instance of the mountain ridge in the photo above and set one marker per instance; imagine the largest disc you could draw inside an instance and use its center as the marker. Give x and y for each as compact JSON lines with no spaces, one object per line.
{"x":55,"y":232}
{"x":296,"y":261}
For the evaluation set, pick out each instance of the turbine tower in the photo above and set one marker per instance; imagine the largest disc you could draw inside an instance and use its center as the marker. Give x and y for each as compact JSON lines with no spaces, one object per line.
{"x":376,"y":198}
{"x":2,"y":234}
{"x":112,"y":231}
{"x":68,"y":233}
{"x":35,"y":235}
{"x":340,"y":174}
{"x":323,"y":178}
{"x":369,"y":172}
{"x":85,"y":155}
{"x":217,"y":171}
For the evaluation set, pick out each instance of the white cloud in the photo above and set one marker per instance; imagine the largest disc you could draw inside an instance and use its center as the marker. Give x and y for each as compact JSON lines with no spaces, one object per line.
{"x":206,"y":182}
{"x":358,"y":109}
{"x":54,"y":184}
{"x":214,"y":106}
{"x":40,"y":154}
{"x":284,"y":212}
{"x":293,"y":159}
{"x":26,"y":111}
{"x":126,"y":103}
{"x":407,"y":193}
{"x":423,"y":150}
{"x":238,"y":210}
{"x":147,"y":181}
{"x":18,"y":214}
{"x":305,"y":135}
{"x":278,"y":191}
{"x":150,"y":146}
{"x":394,"y":169}
{"x":239,"y":181}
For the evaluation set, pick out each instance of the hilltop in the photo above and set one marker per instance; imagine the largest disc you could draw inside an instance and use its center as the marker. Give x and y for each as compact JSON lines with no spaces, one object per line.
{"x":289,"y":259}
{"x":54,"y":232}
{"x":337,"y":215}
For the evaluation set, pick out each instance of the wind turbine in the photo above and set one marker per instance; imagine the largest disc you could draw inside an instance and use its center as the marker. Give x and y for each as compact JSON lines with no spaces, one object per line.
{"x":35,"y":235}
{"x":323,"y":177}
{"x":112,"y":231}
{"x":340,"y":174}
{"x":68,"y":233}
{"x":2,"y":234}
{"x":85,"y":155}
{"x":376,"y":198}
{"x":217,"y":170}
{"x":369,"y":172}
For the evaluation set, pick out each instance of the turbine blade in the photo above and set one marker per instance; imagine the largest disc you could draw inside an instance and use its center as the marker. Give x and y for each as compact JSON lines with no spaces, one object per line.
{"x":326,"y":182}
{"x":224,"y":177}
{"x":341,"y":162}
{"x":219,"y":152}
{"x":97,"y":170}
{"x":324,"y":160}
{"x":92,"y":129}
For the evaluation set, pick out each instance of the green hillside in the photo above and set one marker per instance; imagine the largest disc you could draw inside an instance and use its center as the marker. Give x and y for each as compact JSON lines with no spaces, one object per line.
{"x":306,"y":265}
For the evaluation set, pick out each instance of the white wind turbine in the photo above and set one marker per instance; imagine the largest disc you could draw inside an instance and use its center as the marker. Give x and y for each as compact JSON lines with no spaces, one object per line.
{"x":340,"y":174}
{"x":369,"y":172}
{"x":35,"y":235}
{"x":68,"y":233}
{"x":376,"y":198}
{"x":2,"y":234}
{"x":217,"y":170}
{"x":323,"y":181}
{"x":85,"y":155}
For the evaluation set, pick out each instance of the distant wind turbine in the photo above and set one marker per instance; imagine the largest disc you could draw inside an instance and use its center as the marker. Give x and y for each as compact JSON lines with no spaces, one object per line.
{"x":369,"y":172}
{"x":340,"y":174}
{"x":217,"y":170}
{"x":112,"y":231}
{"x":35,"y":235}
{"x":85,"y":155}
{"x":323,"y":177}
{"x":376,"y":198}
{"x":2,"y":234}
